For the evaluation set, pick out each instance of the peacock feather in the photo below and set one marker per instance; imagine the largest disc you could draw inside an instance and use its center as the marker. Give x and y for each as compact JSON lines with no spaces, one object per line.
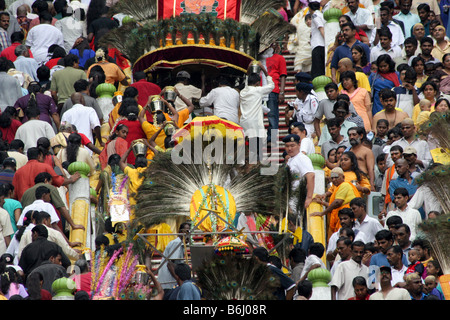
{"x":236,"y":278}
{"x":437,"y":178}
{"x":437,"y":231}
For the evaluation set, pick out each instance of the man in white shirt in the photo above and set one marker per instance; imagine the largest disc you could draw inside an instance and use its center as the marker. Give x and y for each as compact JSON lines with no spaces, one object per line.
{"x":71,"y":26}
{"x":341,"y":282}
{"x":252,"y":116}
{"x":300,"y":165}
{"x":42,"y":36}
{"x":388,"y":292}
{"x":84,"y":118}
{"x":306,"y":105}
{"x":364,"y":223}
{"x":33,"y":129}
{"x":385,"y":45}
{"x":361,"y":18}
{"x":410,"y":139}
{"x":53,"y":235}
{"x":42,"y":203}
{"x":411,"y":217}
{"x":306,"y":144}
{"x":185,"y":89}
{"x":398,"y":38}
{"x":317,"y":39}
{"x":394,"y":256}
{"x":225,"y":101}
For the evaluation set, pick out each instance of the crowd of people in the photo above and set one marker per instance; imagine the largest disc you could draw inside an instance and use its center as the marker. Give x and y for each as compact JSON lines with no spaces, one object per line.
{"x":388,"y":71}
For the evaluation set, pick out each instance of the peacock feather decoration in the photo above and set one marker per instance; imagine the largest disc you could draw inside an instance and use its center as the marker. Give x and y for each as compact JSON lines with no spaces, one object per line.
{"x":438,"y":127}
{"x":235,"y":277}
{"x":437,"y":178}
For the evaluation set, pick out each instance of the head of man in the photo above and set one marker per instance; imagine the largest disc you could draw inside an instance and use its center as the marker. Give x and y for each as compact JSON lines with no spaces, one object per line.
{"x":410,"y":155}
{"x":77,"y":98}
{"x":414,"y":284}
{"x":394,"y":255}
{"x":408,"y":128}
{"x":4,"y":20}
{"x":385,"y":276}
{"x":405,"y":6}
{"x":299,"y":129}
{"x":39,"y":231}
{"x":410,"y":45}
{"x":43,"y":193}
{"x":185,"y":228}
{"x":292,"y":144}
{"x":384,"y":239}
{"x":337,"y":176}
{"x":332,"y":91}
{"x":346,"y":218}
{"x":388,"y":99}
{"x":345,"y":64}
{"x":402,"y":167}
{"x":402,"y":235}
{"x":439,"y":33}
{"x":358,"y":206}
{"x":348,"y":31}
{"x":334,"y":128}
{"x":385,"y":15}
{"x":426,"y":45}
{"x":344,"y":248}
{"x":355,"y":135}
{"x":401,"y":198}
{"x":423,"y":10}
{"x":353,"y":5}
{"x":357,"y":251}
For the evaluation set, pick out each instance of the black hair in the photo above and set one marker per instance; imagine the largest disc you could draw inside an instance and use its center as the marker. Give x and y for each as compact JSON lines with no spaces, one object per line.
{"x":426,"y":40}
{"x":385,"y":32}
{"x":386,"y":93}
{"x":70,"y":59}
{"x":305,"y":288}
{"x":33,"y":153}
{"x":40,"y":230}
{"x":354,"y":167}
{"x":381,"y":157}
{"x":40,"y":191}
{"x":183,"y":271}
{"x":253,"y":79}
{"x":384,"y":235}
{"x":297,"y":254}
{"x":358,"y":201}
{"x":261,"y":253}
{"x":317,"y":249}
{"x":73,"y":145}
{"x":387,"y":59}
{"x":394,"y":221}
{"x":41,"y":177}
{"x":401,"y":191}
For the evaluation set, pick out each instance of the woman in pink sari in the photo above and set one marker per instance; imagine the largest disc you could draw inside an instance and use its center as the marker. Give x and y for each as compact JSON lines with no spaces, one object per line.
{"x":359,"y":97}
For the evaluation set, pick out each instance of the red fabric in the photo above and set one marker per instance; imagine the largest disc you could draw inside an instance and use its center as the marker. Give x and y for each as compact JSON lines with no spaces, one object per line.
{"x":118,"y":58}
{"x":391,"y":76}
{"x":45,"y":295}
{"x":145,"y":89}
{"x":84,"y":140}
{"x":24,"y":177}
{"x":134,"y":132}
{"x":121,"y":147}
{"x":52,"y":62}
{"x":276,"y":67}
{"x":224,"y":9}
{"x":9,"y":133}
{"x":9,"y":54}
{"x":85,"y":283}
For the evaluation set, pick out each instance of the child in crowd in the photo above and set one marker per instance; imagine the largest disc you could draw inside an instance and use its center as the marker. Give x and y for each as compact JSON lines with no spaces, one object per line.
{"x":380,"y":170}
{"x":415,"y":264}
{"x":430,"y":287}
{"x":382,"y":128}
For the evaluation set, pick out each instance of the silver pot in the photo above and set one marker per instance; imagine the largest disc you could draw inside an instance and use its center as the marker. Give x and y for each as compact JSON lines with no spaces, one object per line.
{"x":255,"y":68}
{"x":141,"y":277}
{"x":170,"y":94}
{"x":157,"y":105}
{"x":139,"y":148}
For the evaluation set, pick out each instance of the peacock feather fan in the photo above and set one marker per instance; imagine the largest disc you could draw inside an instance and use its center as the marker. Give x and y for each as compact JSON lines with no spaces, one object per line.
{"x":270,"y":28}
{"x":437,"y":231}
{"x":253,"y":9}
{"x":438,"y":126}
{"x":142,"y":11}
{"x":236,"y":278}
{"x":437,"y":178}
{"x":168,"y":188}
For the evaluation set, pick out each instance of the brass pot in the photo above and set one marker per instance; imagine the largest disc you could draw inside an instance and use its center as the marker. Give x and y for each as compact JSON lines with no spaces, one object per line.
{"x":170,"y":94}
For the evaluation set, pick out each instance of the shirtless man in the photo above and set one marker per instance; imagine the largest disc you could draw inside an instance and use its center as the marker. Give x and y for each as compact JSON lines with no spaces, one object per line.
{"x":390,"y":113}
{"x":366,"y":159}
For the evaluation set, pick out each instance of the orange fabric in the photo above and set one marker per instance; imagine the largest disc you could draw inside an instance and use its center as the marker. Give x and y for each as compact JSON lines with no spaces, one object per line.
{"x":335,"y":225}
{"x":390,"y":174}
{"x":121,"y":146}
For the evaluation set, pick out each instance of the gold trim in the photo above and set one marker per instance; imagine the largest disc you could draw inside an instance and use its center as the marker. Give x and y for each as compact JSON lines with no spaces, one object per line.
{"x":195,"y":61}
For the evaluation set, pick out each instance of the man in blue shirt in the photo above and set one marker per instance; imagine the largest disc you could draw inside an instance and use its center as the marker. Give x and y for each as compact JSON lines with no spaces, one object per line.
{"x":404,"y":179}
{"x":344,"y":50}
